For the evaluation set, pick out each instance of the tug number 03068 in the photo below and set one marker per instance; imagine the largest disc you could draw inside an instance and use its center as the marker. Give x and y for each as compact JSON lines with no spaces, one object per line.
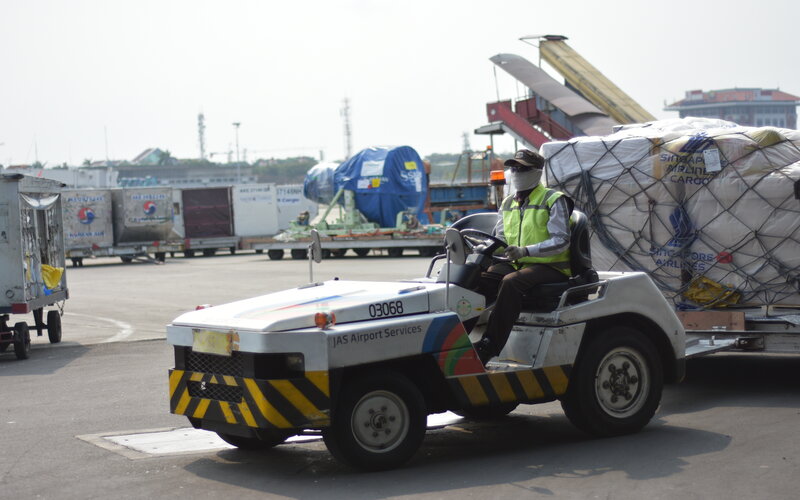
{"x":386,"y":309}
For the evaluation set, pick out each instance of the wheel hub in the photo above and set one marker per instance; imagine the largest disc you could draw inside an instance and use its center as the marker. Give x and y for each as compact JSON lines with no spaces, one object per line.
{"x":380,"y":421}
{"x":622,"y":382}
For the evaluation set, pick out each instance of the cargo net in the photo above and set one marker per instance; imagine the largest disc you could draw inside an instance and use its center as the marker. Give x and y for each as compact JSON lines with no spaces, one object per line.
{"x":710,"y":210}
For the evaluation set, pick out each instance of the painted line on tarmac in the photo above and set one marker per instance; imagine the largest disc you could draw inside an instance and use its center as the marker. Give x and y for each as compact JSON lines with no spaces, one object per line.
{"x":125,"y":329}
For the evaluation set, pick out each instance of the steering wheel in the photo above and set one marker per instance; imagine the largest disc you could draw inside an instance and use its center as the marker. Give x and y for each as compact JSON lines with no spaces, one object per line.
{"x":474,"y":238}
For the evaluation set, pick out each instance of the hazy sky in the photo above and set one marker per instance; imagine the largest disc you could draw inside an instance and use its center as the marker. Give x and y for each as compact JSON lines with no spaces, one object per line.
{"x":77,"y":73}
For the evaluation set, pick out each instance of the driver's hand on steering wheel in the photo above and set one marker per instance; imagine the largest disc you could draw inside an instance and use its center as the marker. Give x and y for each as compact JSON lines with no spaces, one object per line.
{"x":516,"y":253}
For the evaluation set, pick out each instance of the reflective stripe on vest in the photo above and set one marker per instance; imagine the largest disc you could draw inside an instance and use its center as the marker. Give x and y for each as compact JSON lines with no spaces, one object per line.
{"x":531,"y":228}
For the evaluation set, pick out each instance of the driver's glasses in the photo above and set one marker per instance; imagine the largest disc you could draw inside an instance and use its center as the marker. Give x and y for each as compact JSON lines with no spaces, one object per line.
{"x":518,"y":168}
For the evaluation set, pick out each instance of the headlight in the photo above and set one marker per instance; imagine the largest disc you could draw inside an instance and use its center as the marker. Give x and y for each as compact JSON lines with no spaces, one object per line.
{"x":295,"y":362}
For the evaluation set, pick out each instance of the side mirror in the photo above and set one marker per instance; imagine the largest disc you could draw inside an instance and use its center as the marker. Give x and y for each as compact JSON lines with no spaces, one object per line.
{"x":315,"y":248}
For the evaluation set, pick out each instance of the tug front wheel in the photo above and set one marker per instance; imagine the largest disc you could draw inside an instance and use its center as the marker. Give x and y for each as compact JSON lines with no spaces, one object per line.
{"x":616,"y":386}
{"x":379,"y":423}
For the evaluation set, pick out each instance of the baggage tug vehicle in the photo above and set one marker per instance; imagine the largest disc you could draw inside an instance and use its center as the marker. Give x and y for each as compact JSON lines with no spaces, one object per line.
{"x":365,"y":363}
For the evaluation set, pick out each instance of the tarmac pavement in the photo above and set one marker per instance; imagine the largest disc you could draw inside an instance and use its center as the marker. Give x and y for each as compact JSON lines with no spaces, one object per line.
{"x":730,"y":430}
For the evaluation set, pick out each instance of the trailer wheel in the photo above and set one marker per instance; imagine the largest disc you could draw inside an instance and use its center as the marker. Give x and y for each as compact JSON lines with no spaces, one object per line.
{"x":22,"y":340}
{"x":188,"y":253}
{"x":266,"y":439}
{"x":299,"y":253}
{"x":275,"y":254}
{"x":616,"y":386}
{"x":488,"y":412}
{"x":326,"y":253}
{"x":126,"y":259}
{"x":77,"y":261}
{"x":395,"y":252}
{"x":54,"y":326}
{"x":361,"y":252}
{"x":379,"y":423}
{"x":338,"y":253}
{"x":161,"y":256}
{"x":232,"y":250}
{"x":209,"y":252}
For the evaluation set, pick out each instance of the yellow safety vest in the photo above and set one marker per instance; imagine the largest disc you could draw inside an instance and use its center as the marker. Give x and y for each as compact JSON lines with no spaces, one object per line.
{"x":531,"y":228}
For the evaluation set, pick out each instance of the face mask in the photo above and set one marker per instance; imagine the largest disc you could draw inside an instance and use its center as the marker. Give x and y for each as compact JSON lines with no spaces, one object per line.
{"x":522,"y":181}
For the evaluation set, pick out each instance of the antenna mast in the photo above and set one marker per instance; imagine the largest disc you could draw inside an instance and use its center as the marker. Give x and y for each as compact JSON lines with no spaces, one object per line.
{"x":201,"y":134}
{"x":348,"y":136}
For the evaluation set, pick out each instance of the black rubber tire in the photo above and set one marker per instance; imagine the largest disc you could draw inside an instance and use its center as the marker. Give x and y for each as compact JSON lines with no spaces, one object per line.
{"x":595,"y":401}
{"x":361,"y":252}
{"x":259,"y":251}
{"x":395,"y":252}
{"x":22,"y":340}
{"x":326,"y":254}
{"x":232,"y":250}
{"x":54,"y":326}
{"x":161,"y":256}
{"x":264,"y":441}
{"x":299,"y":254}
{"x":126,"y":260}
{"x":209,"y":252}
{"x":275,"y":254}
{"x":376,"y":405}
{"x":489,"y":412}
{"x":188,"y":253}
{"x":338,"y":253}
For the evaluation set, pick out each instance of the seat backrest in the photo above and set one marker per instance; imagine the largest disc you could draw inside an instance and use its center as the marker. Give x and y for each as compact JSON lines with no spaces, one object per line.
{"x":580,"y":253}
{"x":484,"y":221}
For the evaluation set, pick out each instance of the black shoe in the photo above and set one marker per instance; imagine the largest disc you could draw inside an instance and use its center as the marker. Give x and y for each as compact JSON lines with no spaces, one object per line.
{"x":484,"y":349}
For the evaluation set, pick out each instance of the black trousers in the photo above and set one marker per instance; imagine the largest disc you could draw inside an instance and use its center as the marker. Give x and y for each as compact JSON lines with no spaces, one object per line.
{"x":508,"y":285}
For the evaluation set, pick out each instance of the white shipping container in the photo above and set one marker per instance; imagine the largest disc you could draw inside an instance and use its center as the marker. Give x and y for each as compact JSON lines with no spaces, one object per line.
{"x":88,"y":219}
{"x":255,"y":209}
{"x":291,"y":203}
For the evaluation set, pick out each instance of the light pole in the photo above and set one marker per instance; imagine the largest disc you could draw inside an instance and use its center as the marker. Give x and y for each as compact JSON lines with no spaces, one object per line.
{"x":238,"y":166}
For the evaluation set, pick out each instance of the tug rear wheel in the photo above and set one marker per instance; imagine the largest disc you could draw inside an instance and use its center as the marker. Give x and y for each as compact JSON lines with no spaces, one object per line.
{"x":616,"y":386}
{"x":379,"y":423}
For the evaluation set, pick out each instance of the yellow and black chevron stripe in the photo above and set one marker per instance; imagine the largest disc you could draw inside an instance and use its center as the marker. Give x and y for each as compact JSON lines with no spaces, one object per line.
{"x":511,"y":386}
{"x":285,"y":404}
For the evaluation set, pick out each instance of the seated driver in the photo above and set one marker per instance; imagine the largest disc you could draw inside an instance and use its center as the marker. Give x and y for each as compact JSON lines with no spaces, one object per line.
{"x":534,"y":221}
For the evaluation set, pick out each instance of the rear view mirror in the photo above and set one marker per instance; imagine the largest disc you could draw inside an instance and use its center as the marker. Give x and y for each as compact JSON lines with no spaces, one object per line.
{"x":315,"y":248}
{"x":454,"y":244}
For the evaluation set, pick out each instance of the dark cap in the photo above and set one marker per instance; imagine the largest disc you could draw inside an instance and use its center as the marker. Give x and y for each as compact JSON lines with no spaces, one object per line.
{"x":525,"y":159}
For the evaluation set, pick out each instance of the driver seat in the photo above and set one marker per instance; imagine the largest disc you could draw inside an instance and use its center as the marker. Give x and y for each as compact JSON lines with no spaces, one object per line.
{"x":547,"y":296}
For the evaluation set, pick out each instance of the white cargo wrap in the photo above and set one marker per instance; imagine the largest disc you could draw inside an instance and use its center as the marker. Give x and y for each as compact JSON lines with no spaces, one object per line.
{"x":88,"y":218}
{"x":255,"y":209}
{"x":708,"y":208}
{"x":291,"y":203}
